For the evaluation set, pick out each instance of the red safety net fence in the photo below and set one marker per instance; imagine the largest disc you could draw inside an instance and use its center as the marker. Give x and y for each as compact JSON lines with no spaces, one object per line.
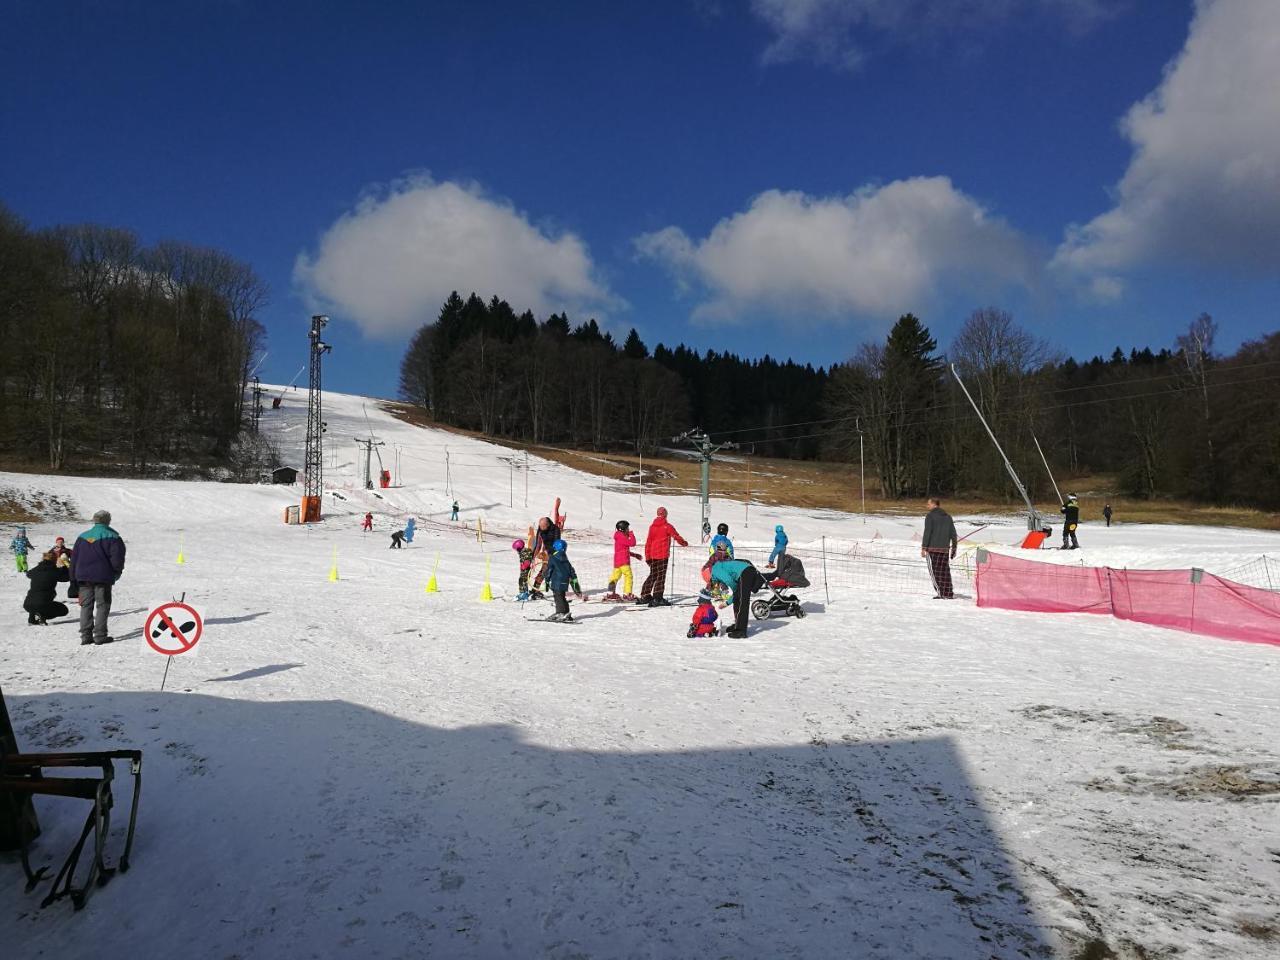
{"x":1190,"y":600}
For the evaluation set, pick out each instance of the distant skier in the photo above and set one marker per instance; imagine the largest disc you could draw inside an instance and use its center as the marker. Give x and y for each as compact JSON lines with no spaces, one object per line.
{"x":367,"y":526}
{"x":409,"y":529}
{"x":623,"y":540}
{"x":1071,"y":520}
{"x":454,"y":514}
{"x":938,"y":545}
{"x":20,"y":546}
{"x":1106,"y":514}
{"x":562,"y":578}
{"x":397,"y":540}
{"x":657,"y":554}
{"x":779,"y":544}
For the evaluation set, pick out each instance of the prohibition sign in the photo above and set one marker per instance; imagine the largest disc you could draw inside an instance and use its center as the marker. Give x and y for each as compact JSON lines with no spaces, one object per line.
{"x":173,"y":628}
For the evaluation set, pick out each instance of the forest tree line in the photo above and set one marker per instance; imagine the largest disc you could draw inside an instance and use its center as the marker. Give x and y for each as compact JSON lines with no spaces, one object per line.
{"x":1181,"y":421}
{"x":122,"y":356}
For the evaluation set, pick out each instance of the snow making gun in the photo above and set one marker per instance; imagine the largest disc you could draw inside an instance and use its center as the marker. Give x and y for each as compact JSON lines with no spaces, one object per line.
{"x":1036,"y":522}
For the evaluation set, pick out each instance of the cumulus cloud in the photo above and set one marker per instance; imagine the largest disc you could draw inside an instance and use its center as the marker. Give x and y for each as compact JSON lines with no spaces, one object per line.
{"x":1203,"y":184}
{"x":388,"y":264}
{"x":833,"y":32}
{"x":877,"y":252}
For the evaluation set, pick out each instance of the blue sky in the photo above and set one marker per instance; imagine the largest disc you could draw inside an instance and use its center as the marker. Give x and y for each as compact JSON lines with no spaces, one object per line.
{"x":780,"y":176}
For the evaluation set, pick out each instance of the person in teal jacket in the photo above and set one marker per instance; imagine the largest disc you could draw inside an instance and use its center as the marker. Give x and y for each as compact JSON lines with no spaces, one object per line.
{"x":779,"y":544}
{"x":743,"y":579}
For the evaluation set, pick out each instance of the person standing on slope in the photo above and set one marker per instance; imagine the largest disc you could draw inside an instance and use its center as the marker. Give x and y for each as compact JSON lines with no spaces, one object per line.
{"x":454,"y":514}
{"x":1106,"y":514}
{"x":544,"y":537}
{"x":938,"y":546}
{"x":623,"y":540}
{"x":367,"y":526}
{"x":779,"y":544}
{"x":743,"y":579}
{"x":97,"y":563}
{"x":561,"y":578}
{"x":20,"y":546}
{"x":1070,"y":520}
{"x":657,"y":554}
{"x":409,"y":529}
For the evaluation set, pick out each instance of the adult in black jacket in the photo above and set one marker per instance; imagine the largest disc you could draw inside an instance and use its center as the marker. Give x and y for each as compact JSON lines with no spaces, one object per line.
{"x":938,"y":546}
{"x":42,"y":603}
{"x":1070,"y":520}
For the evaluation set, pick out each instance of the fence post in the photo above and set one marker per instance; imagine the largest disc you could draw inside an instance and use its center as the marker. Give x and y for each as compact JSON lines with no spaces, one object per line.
{"x":825,"y":586}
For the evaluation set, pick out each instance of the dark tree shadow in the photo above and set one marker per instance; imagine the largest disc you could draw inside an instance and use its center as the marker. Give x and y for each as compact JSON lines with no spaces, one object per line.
{"x":245,"y":618}
{"x":256,"y":672}
{"x":321,"y":829}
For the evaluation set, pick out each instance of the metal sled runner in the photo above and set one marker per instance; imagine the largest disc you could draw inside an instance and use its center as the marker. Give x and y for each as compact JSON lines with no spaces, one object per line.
{"x":23,"y":776}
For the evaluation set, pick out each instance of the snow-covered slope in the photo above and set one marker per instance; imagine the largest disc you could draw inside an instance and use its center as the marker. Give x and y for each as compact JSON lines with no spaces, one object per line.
{"x":360,"y":768}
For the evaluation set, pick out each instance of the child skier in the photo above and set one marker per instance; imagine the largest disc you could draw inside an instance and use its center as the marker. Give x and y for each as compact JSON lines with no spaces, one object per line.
{"x":397,"y":538}
{"x":779,"y":544}
{"x":704,"y":620}
{"x":525,"y":555}
{"x":720,"y":548}
{"x":20,"y":546}
{"x":409,"y":529}
{"x":562,"y":578}
{"x":623,"y":541}
{"x":367,"y":526}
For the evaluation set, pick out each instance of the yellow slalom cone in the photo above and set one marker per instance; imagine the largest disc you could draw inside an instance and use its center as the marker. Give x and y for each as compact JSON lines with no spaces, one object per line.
{"x":432,"y":586}
{"x":486,"y":592}
{"x":181,"y":555}
{"x":333,"y":570}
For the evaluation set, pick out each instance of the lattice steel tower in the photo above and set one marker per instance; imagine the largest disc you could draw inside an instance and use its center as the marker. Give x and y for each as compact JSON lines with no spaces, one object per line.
{"x":313,"y":468}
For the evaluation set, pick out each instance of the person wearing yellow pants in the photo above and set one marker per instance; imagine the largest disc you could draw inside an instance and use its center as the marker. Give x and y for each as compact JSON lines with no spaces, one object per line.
{"x":623,"y":541}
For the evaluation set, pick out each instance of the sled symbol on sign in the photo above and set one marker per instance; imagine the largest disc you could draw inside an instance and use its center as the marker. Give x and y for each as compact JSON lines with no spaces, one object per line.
{"x":173,"y":628}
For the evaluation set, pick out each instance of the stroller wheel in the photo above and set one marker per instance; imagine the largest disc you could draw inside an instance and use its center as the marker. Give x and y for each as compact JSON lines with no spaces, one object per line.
{"x":796,"y":611}
{"x":760,"y":609}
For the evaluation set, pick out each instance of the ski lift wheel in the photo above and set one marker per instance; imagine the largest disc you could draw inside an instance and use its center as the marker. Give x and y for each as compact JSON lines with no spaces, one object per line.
{"x":760,"y":609}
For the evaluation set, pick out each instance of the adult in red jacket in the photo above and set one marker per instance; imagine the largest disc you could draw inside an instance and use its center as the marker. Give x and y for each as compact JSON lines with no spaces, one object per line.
{"x":657,"y":554}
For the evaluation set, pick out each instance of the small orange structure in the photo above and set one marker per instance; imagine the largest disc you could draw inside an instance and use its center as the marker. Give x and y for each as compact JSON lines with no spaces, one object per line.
{"x":385,"y":479}
{"x":311,"y":510}
{"x":1034,"y":540}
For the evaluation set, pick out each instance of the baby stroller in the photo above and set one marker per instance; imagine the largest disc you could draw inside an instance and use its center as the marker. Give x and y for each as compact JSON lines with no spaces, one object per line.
{"x":788,"y":575}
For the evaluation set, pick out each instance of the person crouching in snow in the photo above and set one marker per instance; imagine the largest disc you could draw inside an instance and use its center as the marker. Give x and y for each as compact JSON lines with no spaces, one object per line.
{"x":524,"y":554}
{"x":20,"y":546}
{"x":397,"y":540}
{"x":779,"y":544}
{"x":704,"y":620}
{"x":623,"y":540}
{"x":561,"y":578}
{"x":743,"y":579}
{"x":41,"y":603}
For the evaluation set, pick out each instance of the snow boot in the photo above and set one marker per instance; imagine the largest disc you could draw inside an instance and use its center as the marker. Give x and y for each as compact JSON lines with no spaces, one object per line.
{"x":643,"y":601}
{"x":629,"y":598}
{"x":733,"y":633}
{"x":660,"y":602}
{"x":611,"y":597}
{"x":522,"y":596}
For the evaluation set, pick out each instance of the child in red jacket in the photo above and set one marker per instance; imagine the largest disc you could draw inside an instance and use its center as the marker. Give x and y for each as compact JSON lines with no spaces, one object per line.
{"x":704,"y":620}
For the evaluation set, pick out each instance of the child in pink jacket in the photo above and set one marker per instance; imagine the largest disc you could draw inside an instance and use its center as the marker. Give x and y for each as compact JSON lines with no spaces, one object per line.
{"x":623,"y":541}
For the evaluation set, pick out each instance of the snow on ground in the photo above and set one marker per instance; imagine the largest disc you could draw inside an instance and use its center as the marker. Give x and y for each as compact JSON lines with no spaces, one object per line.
{"x":364,"y":769}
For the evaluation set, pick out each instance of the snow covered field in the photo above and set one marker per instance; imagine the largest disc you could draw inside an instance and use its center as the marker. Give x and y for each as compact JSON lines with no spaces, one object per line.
{"x":363,"y":769}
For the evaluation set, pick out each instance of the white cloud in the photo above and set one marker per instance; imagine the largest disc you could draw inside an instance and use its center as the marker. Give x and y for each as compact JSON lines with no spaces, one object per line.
{"x":832,"y":32}
{"x":1203,"y":185}
{"x":389,"y":264}
{"x":878,"y":252}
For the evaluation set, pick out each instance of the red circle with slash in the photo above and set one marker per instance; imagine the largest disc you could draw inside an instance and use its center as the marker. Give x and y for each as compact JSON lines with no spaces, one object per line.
{"x":173,"y":628}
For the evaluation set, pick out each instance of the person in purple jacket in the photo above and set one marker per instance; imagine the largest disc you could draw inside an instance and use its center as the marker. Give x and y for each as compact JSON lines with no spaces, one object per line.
{"x":96,"y":564}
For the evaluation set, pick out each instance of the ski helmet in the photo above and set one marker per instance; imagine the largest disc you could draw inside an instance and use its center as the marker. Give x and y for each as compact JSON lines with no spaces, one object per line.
{"x":723,"y":529}
{"x":1071,"y":498}
{"x":517,"y":545}
{"x":662,"y":511}
{"x":621,"y":525}
{"x":778,"y":529}
{"x":558,"y":547}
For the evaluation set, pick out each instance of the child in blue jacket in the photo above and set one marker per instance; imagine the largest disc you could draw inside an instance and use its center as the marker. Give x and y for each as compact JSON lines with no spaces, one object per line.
{"x":779,"y":544}
{"x":561,"y":578}
{"x":20,"y":546}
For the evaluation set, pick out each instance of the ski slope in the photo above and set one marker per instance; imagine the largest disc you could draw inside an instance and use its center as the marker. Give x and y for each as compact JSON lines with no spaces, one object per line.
{"x":360,"y":768}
